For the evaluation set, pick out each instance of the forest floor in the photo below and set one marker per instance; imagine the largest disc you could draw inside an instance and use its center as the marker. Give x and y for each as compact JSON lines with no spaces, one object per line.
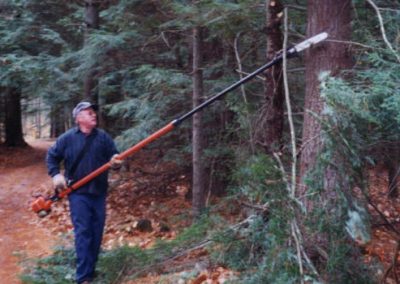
{"x":20,"y":234}
{"x":145,"y":189}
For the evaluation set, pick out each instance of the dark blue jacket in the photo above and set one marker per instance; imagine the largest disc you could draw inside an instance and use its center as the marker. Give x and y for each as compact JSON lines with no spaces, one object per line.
{"x":67,"y":148}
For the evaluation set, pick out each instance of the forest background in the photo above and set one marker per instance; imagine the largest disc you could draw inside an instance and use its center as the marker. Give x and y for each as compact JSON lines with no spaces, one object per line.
{"x":295,"y":145}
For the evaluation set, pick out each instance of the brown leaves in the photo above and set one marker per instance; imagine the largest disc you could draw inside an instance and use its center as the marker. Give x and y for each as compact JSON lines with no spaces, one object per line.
{"x":137,"y":213}
{"x":384,"y":239}
{"x":143,"y":206}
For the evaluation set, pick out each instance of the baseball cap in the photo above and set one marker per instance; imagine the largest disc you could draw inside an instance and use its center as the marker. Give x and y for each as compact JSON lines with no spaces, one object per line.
{"x":81,"y":106}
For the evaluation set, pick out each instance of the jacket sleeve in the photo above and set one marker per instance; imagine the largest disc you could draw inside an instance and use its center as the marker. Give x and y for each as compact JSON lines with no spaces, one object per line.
{"x":112,"y":149}
{"x":54,"y":157}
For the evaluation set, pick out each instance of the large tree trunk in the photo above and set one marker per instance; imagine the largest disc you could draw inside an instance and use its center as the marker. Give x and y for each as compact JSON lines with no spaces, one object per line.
{"x":272,"y":111}
{"x":334,"y":17}
{"x":13,"y":118}
{"x":198,"y":187}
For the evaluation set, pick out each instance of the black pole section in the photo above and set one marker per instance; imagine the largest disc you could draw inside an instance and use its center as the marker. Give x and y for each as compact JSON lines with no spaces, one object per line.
{"x":290,"y":52}
{"x":180,"y":119}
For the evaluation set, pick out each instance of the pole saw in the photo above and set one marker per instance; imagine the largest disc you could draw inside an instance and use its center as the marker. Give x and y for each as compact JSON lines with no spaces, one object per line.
{"x":42,"y":205}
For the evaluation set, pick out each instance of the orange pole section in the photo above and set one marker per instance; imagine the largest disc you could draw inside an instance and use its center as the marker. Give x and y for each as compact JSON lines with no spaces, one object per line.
{"x":169,"y":127}
{"x":121,"y":156}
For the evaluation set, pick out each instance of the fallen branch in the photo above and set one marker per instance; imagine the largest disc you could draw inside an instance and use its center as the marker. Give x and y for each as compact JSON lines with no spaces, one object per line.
{"x":385,"y":220}
{"x":164,"y":262}
{"x":261,"y":208}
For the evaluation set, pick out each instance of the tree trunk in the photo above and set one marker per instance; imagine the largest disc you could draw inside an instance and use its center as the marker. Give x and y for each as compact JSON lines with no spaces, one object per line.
{"x":272,"y":111}
{"x":57,"y":121}
{"x":198,"y":198}
{"x":334,"y":17}
{"x":2,"y":115}
{"x":92,"y":21}
{"x":38,"y":119}
{"x":13,"y":118}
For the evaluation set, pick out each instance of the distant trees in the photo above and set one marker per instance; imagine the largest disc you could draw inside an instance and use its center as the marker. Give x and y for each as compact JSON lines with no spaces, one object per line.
{"x":13,"y":122}
{"x":29,"y":41}
{"x":10,"y":92}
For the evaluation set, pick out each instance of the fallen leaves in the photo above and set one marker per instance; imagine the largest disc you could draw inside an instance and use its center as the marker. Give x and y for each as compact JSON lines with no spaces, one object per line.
{"x":137,"y":214}
{"x":157,"y":194}
{"x":383,"y":239}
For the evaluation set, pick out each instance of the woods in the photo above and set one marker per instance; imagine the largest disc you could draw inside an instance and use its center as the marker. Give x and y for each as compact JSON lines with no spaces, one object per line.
{"x":291,"y":152}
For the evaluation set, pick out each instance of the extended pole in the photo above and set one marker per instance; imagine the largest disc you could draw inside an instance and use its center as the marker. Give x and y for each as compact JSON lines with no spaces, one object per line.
{"x":290,"y":52}
{"x":42,"y":206}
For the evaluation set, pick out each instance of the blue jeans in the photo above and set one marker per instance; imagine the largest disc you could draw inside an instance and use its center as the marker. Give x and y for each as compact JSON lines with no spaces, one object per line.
{"x":88,"y":214}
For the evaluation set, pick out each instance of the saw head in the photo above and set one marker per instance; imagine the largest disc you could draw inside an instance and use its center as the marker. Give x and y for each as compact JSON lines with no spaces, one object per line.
{"x":41,"y":206}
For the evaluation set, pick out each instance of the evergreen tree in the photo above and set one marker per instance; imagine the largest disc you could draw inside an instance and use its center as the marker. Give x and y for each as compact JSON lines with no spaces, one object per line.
{"x":30,"y":43}
{"x":333,"y":57}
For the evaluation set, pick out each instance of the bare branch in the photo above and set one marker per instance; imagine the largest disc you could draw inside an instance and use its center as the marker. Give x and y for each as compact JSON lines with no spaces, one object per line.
{"x":297,"y":7}
{"x":352,"y":43}
{"x":289,"y":109}
{"x":245,"y":73}
{"x":243,"y":90}
{"x":378,"y":13}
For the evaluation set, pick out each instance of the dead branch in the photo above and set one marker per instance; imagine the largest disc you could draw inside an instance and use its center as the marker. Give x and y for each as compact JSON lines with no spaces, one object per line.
{"x":385,"y":220}
{"x":164,"y":262}
{"x":392,"y":267}
{"x":378,"y":14}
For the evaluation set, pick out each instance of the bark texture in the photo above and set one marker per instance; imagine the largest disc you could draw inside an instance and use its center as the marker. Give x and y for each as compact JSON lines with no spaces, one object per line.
{"x":273,"y":109}
{"x":198,"y":198}
{"x":333,"y":17}
{"x":90,"y":84}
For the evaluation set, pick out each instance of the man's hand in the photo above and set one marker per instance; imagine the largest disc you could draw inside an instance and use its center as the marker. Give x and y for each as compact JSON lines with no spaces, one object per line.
{"x":115,"y":162}
{"x":59,"y":182}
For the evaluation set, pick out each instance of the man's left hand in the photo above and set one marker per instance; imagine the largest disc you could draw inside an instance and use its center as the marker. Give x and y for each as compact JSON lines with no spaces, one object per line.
{"x":115,"y":162}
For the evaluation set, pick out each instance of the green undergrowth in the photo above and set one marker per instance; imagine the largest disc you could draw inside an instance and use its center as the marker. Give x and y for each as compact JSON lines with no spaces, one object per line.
{"x":115,"y":264}
{"x":259,"y":244}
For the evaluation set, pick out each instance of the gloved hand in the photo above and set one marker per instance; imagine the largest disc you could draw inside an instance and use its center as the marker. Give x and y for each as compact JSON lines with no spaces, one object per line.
{"x":59,"y":182}
{"x":115,"y":162}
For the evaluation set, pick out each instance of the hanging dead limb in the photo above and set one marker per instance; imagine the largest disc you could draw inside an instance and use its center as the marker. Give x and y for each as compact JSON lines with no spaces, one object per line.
{"x":239,"y":63}
{"x":243,"y":90}
{"x":289,"y":109}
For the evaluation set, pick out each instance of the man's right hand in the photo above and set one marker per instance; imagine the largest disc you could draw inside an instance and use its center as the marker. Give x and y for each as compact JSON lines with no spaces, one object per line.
{"x":59,"y":182}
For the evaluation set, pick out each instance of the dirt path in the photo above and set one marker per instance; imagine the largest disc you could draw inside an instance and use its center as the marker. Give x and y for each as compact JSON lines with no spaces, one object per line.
{"x":21,"y":172}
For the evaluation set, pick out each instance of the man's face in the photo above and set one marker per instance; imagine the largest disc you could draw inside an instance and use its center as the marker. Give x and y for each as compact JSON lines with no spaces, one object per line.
{"x":87,"y":118}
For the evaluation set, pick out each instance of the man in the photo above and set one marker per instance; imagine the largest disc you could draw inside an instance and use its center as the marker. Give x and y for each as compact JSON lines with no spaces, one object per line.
{"x":83,"y":149}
